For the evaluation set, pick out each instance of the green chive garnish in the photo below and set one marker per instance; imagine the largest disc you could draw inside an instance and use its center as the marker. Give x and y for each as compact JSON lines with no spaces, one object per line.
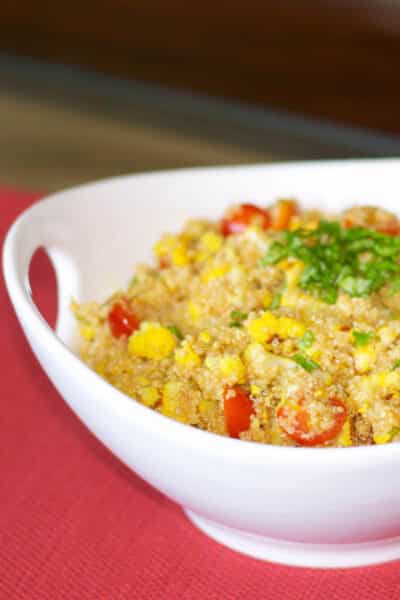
{"x":133,"y":281}
{"x":176,"y":331}
{"x":357,"y":261}
{"x":396,"y":364}
{"x":394,"y":431}
{"x":307,"y":363}
{"x":306,"y":341}
{"x":237,"y":317}
{"x":276,"y":300}
{"x":362,"y":338}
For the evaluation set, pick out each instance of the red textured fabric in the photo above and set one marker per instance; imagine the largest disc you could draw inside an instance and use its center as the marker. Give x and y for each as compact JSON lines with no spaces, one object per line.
{"x":76,"y":524}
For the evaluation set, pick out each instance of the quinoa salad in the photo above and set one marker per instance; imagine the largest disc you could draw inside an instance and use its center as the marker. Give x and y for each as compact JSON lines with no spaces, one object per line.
{"x":273,"y":325}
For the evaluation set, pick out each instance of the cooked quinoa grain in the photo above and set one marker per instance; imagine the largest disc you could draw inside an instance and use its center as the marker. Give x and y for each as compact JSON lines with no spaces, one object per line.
{"x":277,"y":326}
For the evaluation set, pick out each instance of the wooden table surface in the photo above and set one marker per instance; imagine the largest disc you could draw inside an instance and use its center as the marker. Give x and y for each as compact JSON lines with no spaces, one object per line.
{"x":59,"y":127}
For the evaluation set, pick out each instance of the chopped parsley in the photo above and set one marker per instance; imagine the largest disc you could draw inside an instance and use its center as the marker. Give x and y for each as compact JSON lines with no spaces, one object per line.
{"x":396,"y":364}
{"x":393,"y":432}
{"x":357,"y":261}
{"x":362,"y":338}
{"x":176,"y":331}
{"x":133,"y":281}
{"x":237,"y":318}
{"x":307,"y":363}
{"x":395,"y":286}
{"x":276,"y":300}
{"x":306,"y":341}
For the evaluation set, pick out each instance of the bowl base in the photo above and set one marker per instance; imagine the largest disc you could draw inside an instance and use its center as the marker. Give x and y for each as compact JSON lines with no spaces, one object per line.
{"x":299,"y":554}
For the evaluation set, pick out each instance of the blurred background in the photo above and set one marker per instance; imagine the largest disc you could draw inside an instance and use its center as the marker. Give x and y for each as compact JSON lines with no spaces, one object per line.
{"x":100,"y":87}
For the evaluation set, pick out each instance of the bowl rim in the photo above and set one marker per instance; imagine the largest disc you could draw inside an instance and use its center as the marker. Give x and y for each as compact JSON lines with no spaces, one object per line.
{"x":167,"y":427}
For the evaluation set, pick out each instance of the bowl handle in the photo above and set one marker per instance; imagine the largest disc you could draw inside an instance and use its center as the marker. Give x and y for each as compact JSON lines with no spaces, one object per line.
{"x":29,"y":233}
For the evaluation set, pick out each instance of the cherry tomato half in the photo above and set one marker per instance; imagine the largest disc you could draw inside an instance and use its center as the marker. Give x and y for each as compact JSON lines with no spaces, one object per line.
{"x":372,"y":218}
{"x":122,"y":320}
{"x":282,"y":214}
{"x":297,"y":426}
{"x":238,"y":409}
{"x":244,"y":216}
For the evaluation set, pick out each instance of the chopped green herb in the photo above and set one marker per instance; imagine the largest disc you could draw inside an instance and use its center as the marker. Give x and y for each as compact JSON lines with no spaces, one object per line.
{"x":176,"y":331}
{"x":396,"y":364}
{"x":237,"y":315}
{"x":276,"y":300}
{"x":395,"y":286}
{"x":357,"y":261}
{"x":276,"y":252}
{"x":307,"y":363}
{"x":393,"y":432}
{"x":362,"y":338}
{"x":237,"y":318}
{"x":306,"y":341}
{"x":133,"y":281}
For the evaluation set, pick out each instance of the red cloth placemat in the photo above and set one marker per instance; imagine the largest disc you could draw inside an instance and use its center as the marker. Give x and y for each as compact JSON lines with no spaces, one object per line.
{"x":76,"y":524}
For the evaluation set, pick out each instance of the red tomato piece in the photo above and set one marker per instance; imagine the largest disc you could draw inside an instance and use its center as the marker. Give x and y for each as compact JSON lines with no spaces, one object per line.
{"x":238,"y":409}
{"x":391,"y":228}
{"x":297,"y":426}
{"x":283,"y":213}
{"x":372,"y":218}
{"x":244,"y":216}
{"x":122,"y":320}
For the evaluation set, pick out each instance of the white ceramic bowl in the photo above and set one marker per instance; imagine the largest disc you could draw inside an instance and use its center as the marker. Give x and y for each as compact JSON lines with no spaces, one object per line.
{"x":301,"y":506}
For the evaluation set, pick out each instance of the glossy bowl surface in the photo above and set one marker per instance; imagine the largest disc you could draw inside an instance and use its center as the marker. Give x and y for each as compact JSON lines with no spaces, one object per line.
{"x":300,"y":506}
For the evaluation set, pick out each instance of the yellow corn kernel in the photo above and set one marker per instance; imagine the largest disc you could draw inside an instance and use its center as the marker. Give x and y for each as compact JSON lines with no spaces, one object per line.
{"x":387,"y":335}
{"x":260,"y":361}
{"x":101,"y":368}
{"x":180,"y":257}
{"x":231,"y":367}
{"x":194,"y":311}
{"x":283,"y":264}
{"x":344,"y":438}
{"x":295,"y":223}
{"x":205,"y":337}
{"x":289,"y":298}
{"x":311,"y":225}
{"x":165,"y":245}
{"x":288,"y":328}
{"x":267,"y":299}
{"x":313,"y":352}
{"x":149,"y":396}
{"x":152,"y":341}
{"x":382,"y":438}
{"x":364,"y":408}
{"x":186,"y":356}
{"x":293,"y":273}
{"x":263,"y":328}
{"x":87,"y":332}
{"x":201,"y":256}
{"x":205,"y":406}
{"x":215,"y":273}
{"x":170,"y":398}
{"x":390,"y":379}
{"x":364,"y":358}
{"x":255,"y":390}
{"x":211,"y":241}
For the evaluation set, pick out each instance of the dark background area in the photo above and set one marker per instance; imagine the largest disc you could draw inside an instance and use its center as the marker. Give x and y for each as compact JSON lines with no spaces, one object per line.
{"x":339,"y":60}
